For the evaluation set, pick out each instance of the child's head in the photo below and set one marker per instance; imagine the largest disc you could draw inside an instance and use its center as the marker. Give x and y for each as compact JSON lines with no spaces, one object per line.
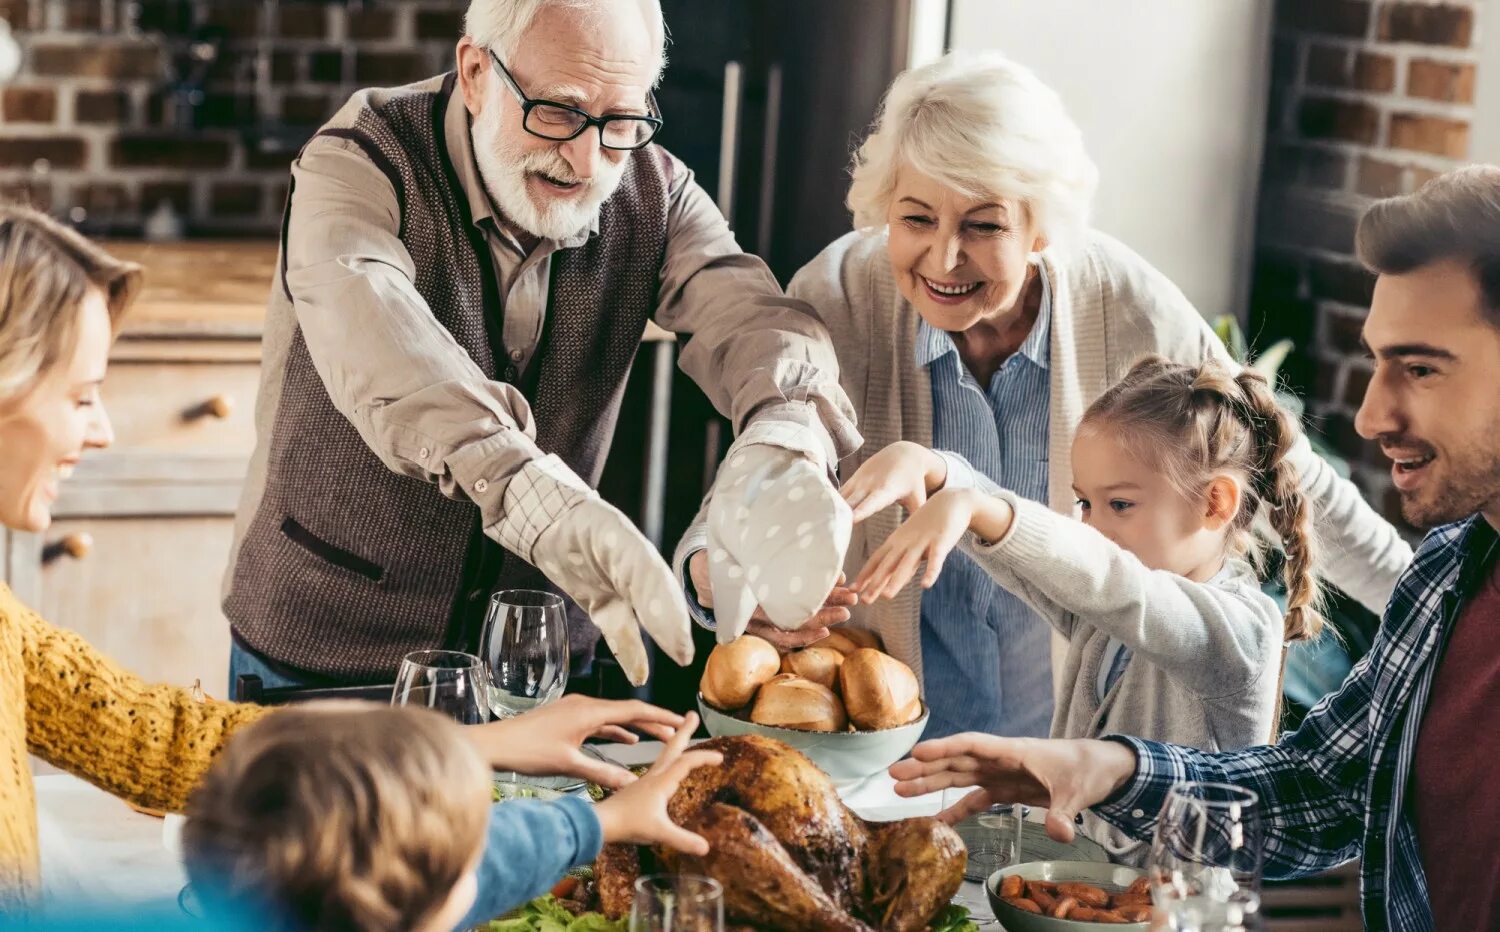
{"x":344,"y":816}
{"x":1174,"y":462}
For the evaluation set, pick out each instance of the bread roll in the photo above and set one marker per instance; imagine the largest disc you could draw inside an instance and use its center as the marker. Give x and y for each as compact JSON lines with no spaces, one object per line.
{"x":848,"y":640}
{"x":789,"y":701}
{"x":879,"y":690}
{"x":736,"y":670}
{"x":819,"y":664}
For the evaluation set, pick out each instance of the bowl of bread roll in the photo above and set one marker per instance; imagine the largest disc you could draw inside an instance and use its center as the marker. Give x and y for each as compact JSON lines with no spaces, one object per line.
{"x":850,"y":707}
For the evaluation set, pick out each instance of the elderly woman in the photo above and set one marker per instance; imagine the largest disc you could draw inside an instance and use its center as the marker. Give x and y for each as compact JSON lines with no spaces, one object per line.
{"x":977,"y":315}
{"x":61,"y":301}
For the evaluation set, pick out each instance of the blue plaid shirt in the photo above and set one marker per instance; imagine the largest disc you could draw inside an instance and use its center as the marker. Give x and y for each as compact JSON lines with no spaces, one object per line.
{"x":1335,"y":788}
{"x":986,"y":656}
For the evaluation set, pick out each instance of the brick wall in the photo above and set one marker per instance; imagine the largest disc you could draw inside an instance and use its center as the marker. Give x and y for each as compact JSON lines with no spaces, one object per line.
{"x":1368,"y":98}
{"x":90,"y":122}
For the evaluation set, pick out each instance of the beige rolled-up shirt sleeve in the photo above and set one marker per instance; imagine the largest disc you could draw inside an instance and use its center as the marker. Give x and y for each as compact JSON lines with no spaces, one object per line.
{"x":752,"y":349}
{"x":417,"y":398}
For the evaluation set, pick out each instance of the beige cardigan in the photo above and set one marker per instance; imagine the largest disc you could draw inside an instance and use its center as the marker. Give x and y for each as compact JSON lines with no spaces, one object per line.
{"x":1109,"y":308}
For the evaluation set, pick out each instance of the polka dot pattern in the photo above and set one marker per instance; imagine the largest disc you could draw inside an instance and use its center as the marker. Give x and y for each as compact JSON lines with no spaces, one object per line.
{"x":777,"y":532}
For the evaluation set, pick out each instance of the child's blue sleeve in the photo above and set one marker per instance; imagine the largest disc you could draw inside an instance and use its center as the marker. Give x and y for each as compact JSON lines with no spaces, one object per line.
{"x":528,"y":847}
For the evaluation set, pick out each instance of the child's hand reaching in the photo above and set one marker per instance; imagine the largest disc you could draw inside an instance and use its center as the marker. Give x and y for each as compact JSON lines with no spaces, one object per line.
{"x":637,"y":814}
{"x":903,"y":473}
{"x":930,"y":534}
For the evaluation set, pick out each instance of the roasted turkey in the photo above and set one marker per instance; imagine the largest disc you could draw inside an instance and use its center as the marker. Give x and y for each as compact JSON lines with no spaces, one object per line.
{"x":789,"y":854}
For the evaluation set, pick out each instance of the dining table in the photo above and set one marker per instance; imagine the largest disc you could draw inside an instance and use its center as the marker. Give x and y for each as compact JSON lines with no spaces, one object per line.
{"x":95,"y":849}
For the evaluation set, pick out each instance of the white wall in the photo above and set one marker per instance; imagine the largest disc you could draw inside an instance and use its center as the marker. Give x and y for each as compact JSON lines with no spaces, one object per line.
{"x":1484,"y":143}
{"x":1171,"y":96}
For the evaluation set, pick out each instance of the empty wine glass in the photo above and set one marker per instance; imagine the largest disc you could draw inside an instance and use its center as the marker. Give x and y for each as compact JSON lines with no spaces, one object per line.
{"x":677,"y":903}
{"x":1206,"y":858}
{"x":525,"y":647}
{"x":445,"y":681}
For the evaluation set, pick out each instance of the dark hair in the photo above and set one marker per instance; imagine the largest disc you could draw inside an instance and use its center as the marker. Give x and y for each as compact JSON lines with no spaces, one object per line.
{"x":1454,"y":216}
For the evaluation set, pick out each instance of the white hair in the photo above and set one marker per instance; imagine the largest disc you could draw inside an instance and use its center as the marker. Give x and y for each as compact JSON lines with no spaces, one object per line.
{"x":986,"y":126}
{"x":501,"y":24}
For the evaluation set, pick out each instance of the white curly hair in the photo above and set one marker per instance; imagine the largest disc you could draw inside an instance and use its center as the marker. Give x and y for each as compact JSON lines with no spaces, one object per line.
{"x":986,"y":126}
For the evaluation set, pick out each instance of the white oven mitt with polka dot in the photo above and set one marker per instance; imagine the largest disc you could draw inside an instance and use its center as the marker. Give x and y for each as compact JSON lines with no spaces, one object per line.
{"x":553,"y":520}
{"x":777,"y":530}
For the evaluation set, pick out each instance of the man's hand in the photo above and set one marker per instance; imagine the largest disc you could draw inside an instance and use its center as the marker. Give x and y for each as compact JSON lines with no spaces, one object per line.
{"x":1066,"y":776}
{"x":835,"y":609}
{"x":904,"y":473}
{"x":637,"y":814}
{"x":777,"y":535}
{"x":549,"y":740}
{"x":554,"y":521}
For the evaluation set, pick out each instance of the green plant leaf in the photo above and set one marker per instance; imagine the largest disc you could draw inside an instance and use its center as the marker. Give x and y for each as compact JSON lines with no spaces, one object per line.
{"x":1227,"y":328}
{"x":1269,"y":362}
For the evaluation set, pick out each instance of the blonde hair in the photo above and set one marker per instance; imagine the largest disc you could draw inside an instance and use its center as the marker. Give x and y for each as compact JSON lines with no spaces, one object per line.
{"x":46,"y":269}
{"x":339,"y":816}
{"x":1196,"y":422}
{"x":985,"y":126}
{"x":1454,"y":216}
{"x":500,"y":25}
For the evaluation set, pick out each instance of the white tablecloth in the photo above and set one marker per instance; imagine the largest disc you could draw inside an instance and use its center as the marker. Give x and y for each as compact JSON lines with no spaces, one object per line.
{"x":96,"y":848}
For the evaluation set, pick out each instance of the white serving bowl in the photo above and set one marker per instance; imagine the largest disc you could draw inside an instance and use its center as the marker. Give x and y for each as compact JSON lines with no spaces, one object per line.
{"x":846,"y":756}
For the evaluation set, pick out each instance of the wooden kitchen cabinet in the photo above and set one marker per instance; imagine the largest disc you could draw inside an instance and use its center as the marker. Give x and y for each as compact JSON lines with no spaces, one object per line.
{"x":140,"y":539}
{"x":146,"y":593}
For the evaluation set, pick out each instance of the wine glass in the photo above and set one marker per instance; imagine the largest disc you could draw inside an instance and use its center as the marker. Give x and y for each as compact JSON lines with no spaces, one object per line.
{"x":677,"y":903}
{"x":525,"y":646}
{"x":446,"y":681}
{"x":1206,"y":858}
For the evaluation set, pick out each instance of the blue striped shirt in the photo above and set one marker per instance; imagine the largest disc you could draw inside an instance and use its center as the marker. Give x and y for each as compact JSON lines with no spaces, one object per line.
{"x":986,"y":656}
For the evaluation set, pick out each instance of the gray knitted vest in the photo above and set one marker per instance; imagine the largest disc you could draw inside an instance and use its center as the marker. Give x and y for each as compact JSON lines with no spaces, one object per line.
{"x":346,"y":565}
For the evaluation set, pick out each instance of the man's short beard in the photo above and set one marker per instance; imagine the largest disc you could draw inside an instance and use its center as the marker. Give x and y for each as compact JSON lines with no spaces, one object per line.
{"x":1475,"y":492}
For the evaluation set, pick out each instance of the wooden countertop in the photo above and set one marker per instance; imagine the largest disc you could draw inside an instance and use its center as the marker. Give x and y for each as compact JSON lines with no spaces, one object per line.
{"x":205,"y":288}
{"x":215,"y":289}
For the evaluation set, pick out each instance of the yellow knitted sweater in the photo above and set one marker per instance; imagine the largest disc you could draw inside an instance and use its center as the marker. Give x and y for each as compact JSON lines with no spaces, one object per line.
{"x":63,"y":701}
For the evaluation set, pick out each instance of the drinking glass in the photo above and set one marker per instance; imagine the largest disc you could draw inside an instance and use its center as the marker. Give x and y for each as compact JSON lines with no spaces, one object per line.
{"x":1206,"y":858}
{"x":525,"y":646}
{"x":992,"y":837}
{"x":446,"y":681}
{"x":677,"y":903}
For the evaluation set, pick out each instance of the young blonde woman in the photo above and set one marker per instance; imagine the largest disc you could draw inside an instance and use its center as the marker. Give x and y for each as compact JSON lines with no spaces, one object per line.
{"x":61,"y":302}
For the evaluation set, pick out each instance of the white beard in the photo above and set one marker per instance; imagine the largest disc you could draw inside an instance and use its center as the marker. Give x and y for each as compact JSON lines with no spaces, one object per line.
{"x":505,"y":169}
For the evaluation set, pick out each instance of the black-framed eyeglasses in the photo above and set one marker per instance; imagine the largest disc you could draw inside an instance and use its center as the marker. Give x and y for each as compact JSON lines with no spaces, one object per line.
{"x":560,"y":122}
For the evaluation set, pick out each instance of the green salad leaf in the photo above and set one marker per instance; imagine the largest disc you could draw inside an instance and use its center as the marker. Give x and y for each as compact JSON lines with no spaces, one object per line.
{"x":545,"y":914}
{"x":954,"y":918}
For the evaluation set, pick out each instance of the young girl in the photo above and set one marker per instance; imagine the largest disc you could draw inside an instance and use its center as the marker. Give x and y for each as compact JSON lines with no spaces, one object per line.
{"x":1169,"y":635}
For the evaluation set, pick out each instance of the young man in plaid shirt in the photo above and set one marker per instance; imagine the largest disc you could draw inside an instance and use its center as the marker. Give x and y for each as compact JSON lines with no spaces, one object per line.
{"x":1397,"y":766}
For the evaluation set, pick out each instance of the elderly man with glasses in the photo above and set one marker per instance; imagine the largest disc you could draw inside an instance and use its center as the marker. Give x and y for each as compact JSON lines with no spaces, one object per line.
{"x":467,"y":267}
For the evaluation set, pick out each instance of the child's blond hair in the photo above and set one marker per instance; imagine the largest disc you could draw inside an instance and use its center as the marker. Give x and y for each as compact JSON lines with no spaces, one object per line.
{"x":339,"y":816}
{"x":1196,"y":422}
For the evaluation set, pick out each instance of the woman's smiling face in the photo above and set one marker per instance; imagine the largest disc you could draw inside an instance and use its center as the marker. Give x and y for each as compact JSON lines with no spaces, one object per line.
{"x":958,"y":259}
{"x":44,"y":431}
